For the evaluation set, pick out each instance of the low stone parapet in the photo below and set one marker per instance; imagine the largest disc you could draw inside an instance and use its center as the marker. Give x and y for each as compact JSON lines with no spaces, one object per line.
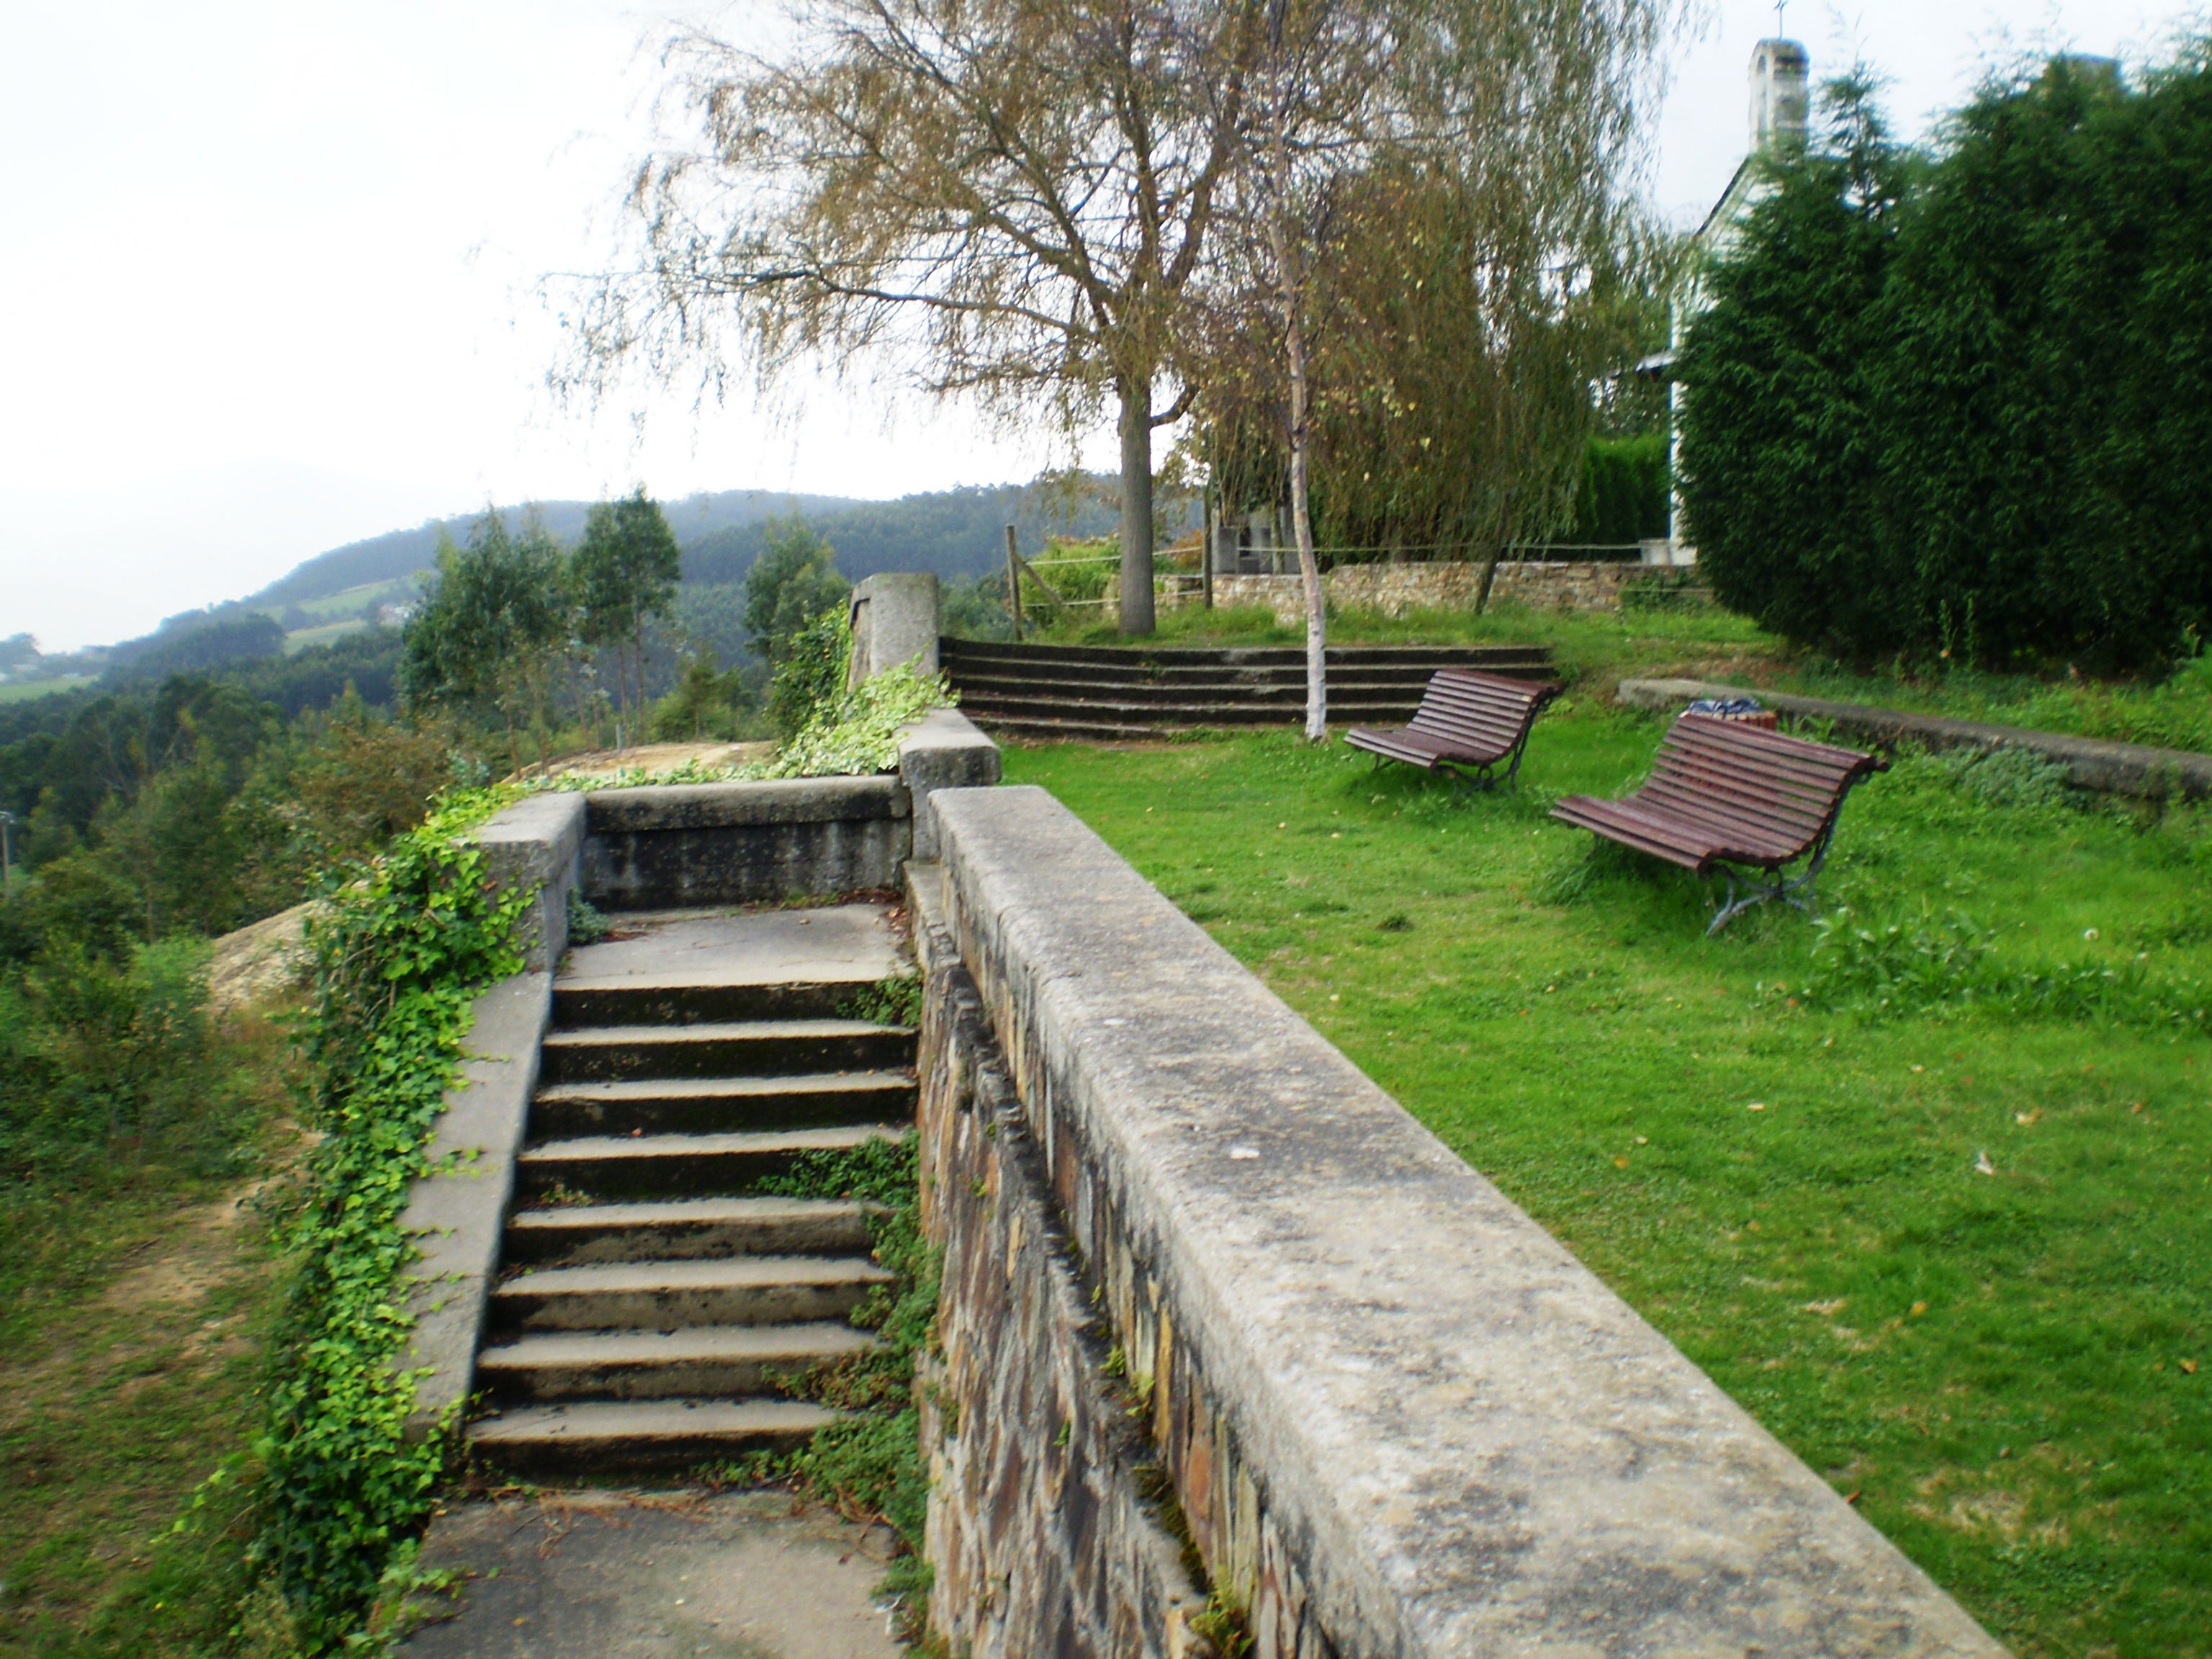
{"x":1394,"y":1415}
{"x":1395,"y":589}
{"x":2098,"y":764}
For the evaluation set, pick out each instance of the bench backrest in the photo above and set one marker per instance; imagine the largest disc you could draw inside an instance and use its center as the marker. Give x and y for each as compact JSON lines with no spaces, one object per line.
{"x":1729,"y":772}
{"x":1479,"y":711}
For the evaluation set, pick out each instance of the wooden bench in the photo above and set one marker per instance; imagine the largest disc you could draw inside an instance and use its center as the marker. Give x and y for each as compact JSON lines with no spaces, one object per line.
{"x":1728,"y":795}
{"x":1468,"y":721}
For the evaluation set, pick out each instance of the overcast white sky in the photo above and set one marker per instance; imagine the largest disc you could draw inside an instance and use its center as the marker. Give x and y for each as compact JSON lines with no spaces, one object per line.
{"x":268,"y":271}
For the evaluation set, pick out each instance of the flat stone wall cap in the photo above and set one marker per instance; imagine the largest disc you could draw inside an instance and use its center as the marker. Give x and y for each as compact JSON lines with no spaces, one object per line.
{"x":554,"y":816}
{"x":1477,"y":1446}
{"x":765,"y":801}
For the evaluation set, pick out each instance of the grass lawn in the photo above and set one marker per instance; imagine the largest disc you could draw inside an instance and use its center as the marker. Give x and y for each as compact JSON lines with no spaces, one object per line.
{"x":2009,"y":1372}
{"x":137,"y":1296}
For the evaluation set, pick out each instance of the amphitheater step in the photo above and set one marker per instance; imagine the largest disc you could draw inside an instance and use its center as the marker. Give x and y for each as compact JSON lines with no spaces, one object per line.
{"x":1107,"y":693}
{"x":712,"y":1104}
{"x":604,"y":1436}
{"x":727,"y":1360}
{"x":662,"y":1166}
{"x":579,"y":1235}
{"x":665,"y":1296}
{"x":752,"y":1049}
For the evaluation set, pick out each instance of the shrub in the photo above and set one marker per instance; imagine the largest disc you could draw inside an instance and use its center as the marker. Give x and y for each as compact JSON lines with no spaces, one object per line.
{"x":92,"y":1050}
{"x":810,"y":676}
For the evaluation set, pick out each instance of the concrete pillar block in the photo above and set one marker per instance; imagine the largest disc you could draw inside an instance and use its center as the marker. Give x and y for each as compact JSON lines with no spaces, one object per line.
{"x":895,"y":620}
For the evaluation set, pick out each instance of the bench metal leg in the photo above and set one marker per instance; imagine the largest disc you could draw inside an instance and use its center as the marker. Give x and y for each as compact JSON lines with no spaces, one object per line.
{"x":1796,"y":889}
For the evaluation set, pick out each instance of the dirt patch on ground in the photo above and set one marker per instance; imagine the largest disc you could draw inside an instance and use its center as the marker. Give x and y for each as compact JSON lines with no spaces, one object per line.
{"x":200,"y":1253}
{"x":259,"y":963}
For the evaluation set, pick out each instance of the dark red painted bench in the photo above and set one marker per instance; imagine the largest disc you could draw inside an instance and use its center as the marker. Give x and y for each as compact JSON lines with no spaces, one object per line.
{"x":1726,"y":795}
{"x":1468,"y":721}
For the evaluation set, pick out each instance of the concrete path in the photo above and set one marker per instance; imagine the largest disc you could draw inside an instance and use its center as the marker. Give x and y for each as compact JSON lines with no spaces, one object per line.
{"x":600,"y":1575}
{"x":672,"y":949}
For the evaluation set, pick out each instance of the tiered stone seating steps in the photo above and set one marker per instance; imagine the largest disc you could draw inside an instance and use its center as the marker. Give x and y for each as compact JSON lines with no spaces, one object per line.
{"x":656,"y":1309}
{"x":1103,"y":693}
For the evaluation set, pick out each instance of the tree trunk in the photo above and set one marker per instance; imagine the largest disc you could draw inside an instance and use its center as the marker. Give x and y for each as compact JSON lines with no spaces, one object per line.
{"x":1489,"y":575}
{"x":1294,"y":349}
{"x":1136,"y":508}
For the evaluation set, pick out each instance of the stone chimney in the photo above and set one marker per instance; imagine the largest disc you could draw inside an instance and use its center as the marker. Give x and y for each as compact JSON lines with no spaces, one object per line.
{"x":1779,"y":95}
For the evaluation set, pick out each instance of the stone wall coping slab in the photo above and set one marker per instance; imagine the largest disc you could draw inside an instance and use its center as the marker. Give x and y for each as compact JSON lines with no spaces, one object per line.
{"x":1470,"y":1444}
{"x":2121,"y":769}
{"x":457,"y":1213}
{"x":537,"y":842}
{"x":943,"y":749}
{"x":761,"y":801}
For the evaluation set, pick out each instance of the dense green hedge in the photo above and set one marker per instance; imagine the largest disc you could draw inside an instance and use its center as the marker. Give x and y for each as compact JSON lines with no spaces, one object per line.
{"x":1958,"y":404}
{"x":1623,"y":496}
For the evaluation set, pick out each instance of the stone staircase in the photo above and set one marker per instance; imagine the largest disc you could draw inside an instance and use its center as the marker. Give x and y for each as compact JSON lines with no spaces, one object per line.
{"x":653,"y":1304}
{"x":1108,"y":692}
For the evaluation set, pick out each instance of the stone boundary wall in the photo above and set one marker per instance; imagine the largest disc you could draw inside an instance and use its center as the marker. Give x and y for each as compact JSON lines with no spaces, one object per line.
{"x":1395,"y":589}
{"x":668,"y":845}
{"x":2119,"y":768}
{"x":1039,"y":1462}
{"x":1397,"y":1417}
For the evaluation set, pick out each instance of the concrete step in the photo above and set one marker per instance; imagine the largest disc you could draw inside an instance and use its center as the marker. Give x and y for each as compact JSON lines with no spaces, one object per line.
{"x":975,"y":652}
{"x":699,"y":1360}
{"x":1215,"y":685}
{"x":577,"y":1235}
{"x":667,"y":1295}
{"x":710,"y":1105}
{"x":750,"y":1049}
{"x":599,"y":1436}
{"x":637,"y":999}
{"x":1396,"y":709}
{"x":669,"y":1166}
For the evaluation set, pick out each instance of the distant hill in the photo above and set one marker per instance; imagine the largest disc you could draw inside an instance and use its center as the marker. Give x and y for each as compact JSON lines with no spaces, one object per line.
{"x":958,"y":533}
{"x":400,"y":553}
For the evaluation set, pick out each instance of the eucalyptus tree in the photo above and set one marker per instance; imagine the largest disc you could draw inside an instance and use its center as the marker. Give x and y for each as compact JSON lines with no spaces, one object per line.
{"x":1437,"y":247}
{"x":495,"y":622}
{"x":625,"y":571}
{"x":1010,"y":200}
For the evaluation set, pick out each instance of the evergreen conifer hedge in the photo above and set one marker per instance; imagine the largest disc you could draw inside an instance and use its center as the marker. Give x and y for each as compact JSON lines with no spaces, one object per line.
{"x":1962,"y":404}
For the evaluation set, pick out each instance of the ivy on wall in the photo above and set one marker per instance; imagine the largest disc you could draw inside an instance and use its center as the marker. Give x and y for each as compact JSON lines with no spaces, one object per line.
{"x":401,"y":955}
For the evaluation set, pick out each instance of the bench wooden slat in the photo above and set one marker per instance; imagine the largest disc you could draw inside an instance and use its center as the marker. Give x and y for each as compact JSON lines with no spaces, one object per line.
{"x":1467,"y":719}
{"x":1727,"y":793}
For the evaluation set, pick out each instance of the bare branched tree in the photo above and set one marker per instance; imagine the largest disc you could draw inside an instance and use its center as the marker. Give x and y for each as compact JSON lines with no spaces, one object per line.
{"x":1011,"y":199}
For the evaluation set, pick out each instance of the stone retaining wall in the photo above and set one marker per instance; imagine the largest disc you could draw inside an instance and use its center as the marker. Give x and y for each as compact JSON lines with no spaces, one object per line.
{"x":735,"y":843}
{"x":1395,"y":589}
{"x":1040,"y":1461}
{"x":1396,"y":1417}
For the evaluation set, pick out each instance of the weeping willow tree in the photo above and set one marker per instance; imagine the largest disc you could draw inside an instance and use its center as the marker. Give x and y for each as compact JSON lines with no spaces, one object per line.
{"x":1012,"y":200}
{"x":1439,"y":252}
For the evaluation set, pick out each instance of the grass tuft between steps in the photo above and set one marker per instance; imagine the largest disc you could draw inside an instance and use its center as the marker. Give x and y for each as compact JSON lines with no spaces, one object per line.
{"x":868,"y":1465}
